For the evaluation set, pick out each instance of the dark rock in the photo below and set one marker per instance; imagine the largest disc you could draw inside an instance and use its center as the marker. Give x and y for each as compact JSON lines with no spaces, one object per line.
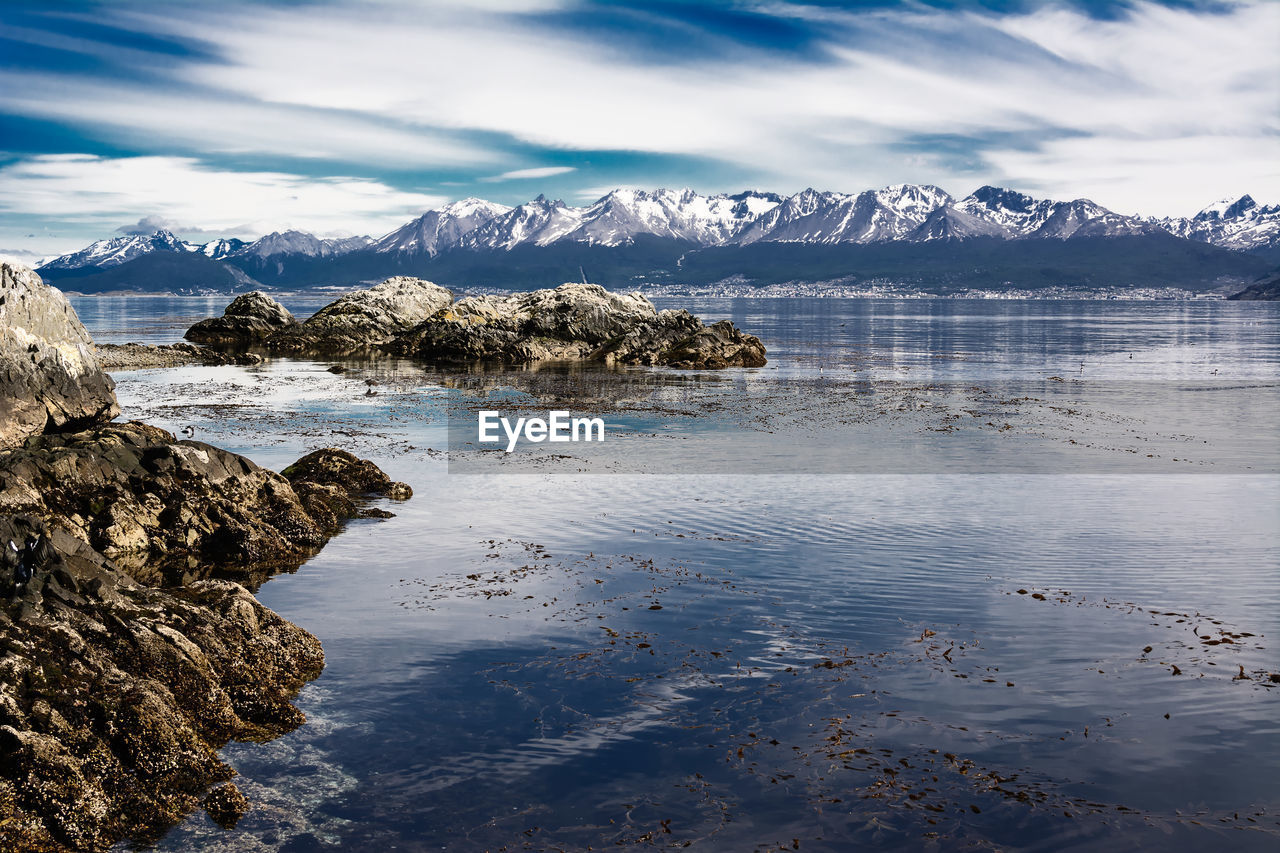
{"x":576,"y":322}
{"x":50,"y":378}
{"x":171,"y":510}
{"x":115,"y":697}
{"x":364,"y":319}
{"x":143,"y":356}
{"x":225,"y":805}
{"x":249,"y":319}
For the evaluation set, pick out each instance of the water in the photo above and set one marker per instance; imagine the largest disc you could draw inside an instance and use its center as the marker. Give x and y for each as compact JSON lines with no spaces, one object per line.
{"x":531,"y":660}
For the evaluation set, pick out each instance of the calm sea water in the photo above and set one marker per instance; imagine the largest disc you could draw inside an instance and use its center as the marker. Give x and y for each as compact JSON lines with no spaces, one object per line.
{"x":527,"y":660}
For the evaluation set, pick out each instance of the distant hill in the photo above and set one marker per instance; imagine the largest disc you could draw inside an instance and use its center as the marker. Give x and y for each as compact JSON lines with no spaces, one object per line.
{"x":157,"y":272}
{"x":1266,"y":289}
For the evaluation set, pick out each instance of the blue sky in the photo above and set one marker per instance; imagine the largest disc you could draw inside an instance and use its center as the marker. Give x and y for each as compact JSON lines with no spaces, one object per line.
{"x":353,"y":117}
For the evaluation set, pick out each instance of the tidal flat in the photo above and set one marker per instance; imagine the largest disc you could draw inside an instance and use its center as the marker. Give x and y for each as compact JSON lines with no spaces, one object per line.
{"x":943,"y":573}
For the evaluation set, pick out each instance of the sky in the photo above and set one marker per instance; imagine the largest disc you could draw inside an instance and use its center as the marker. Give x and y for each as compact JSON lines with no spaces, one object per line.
{"x":353,"y":116}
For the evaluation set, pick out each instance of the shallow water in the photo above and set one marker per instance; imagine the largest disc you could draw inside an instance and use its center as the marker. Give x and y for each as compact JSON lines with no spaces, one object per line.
{"x":538,"y":660}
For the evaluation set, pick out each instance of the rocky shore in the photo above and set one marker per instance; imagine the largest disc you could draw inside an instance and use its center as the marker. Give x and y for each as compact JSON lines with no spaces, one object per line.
{"x":572,"y":323}
{"x":131,"y":652}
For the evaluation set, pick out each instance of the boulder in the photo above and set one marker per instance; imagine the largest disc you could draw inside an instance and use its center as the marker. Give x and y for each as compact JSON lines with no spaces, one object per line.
{"x":115,"y":697}
{"x":172,"y":511}
{"x":364,"y":319}
{"x":50,"y":378}
{"x":249,"y":319}
{"x":130,"y":658}
{"x":576,"y":322}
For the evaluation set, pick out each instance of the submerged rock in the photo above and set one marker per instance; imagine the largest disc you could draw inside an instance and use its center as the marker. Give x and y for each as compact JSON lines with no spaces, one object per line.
{"x":249,"y":319}
{"x":364,"y":319}
{"x":577,"y":322}
{"x":50,"y":378}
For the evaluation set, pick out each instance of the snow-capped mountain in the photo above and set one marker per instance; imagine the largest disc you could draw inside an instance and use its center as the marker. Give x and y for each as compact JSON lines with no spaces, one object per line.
{"x":1242,"y":224}
{"x":623,"y":215}
{"x":1014,"y":215}
{"x":539,"y":222}
{"x":118,"y":250}
{"x":221,"y":248}
{"x":873,"y":216}
{"x":437,"y":230}
{"x":671,"y":221}
{"x":300,"y":243}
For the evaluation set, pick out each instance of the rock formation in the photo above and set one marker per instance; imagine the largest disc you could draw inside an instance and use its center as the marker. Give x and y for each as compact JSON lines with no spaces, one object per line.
{"x":129,"y":658}
{"x":573,"y":322}
{"x":577,"y":322}
{"x":49,"y":374}
{"x":249,"y":319}
{"x":364,"y":319}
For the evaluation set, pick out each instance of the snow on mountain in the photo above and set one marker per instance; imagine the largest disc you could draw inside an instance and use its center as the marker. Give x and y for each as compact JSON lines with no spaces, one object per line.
{"x":623,"y":215}
{"x":1242,"y":224}
{"x":951,"y":222}
{"x":1019,"y":215}
{"x":300,"y":243}
{"x":220,"y":248}
{"x":539,"y":222}
{"x":872,"y":216}
{"x":118,"y":250}
{"x":437,"y":230}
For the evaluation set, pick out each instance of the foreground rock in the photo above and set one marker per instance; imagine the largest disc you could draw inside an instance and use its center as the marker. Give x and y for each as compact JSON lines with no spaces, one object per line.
{"x":365,"y":319}
{"x":144,"y":356}
{"x":50,"y":378}
{"x":249,"y":319}
{"x":115,"y":697}
{"x":129,"y":658}
{"x":577,"y":322}
{"x":170,"y":511}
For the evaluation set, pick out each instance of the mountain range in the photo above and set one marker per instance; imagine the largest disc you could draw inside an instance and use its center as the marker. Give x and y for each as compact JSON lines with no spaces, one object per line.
{"x":911,"y":234}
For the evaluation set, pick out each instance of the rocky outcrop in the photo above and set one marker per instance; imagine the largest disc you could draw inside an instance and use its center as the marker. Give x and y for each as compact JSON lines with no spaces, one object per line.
{"x":171,"y":511}
{"x":249,"y":319}
{"x":576,"y":322}
{"x":113,"y":357}
{"x":365,"y":319}
{"x":115,"y":697}
{"x":678,"y":339}
{"x":129,"y":657}
{"x":50,"y":378}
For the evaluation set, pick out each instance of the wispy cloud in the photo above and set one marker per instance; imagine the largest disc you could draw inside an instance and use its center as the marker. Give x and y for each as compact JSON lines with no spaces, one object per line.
{"x":100,"y":191}
{"x":1148,"y":108}
{"x":525,"y":174}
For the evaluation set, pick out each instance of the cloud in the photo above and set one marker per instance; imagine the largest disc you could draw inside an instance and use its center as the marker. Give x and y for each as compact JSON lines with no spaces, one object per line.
{"x":539,"y":172}
{"x":834,"y":117}
{"x":93,"y":191}
{"x":785,"y":95}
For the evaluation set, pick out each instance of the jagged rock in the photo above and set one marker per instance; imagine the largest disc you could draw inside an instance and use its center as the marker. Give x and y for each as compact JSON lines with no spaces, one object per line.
{"x":50,"y":378}
{"x":364,"y":319}
{"x":577,"y":322}
{"x":144,"y":356}
{"x":225,"y":805}
{"x":677,"y":339}
{"x":249,"y":319}
{"x":115,"y":697}
{"x":171,"y":510}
